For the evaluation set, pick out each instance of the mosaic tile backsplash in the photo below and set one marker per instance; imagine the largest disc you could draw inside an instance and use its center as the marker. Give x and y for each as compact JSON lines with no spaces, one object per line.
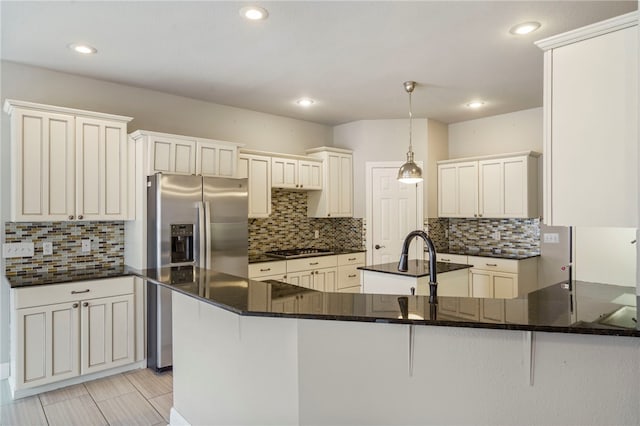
{"x":107,"y":246}
{"x":289,"y":227}
{"x":517,"y":236}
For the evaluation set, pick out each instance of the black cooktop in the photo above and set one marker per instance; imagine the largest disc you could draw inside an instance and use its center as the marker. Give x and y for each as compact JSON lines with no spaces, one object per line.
{"x":298,"y":252}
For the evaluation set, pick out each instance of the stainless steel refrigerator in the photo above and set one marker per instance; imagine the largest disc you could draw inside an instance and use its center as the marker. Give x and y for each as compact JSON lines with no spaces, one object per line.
{"x":192,"y":221}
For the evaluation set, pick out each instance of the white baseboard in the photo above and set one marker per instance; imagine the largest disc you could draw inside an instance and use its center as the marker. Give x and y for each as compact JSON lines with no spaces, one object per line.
{"x":4,"y":371}
{"x":175,"y":419}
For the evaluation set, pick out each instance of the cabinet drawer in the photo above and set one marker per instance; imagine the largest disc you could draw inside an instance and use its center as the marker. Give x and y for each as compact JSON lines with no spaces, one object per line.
{"x":308,"y":263}
{"x":263,"y":269}
{"x":449,"y":258}
{"x":350,"y":259}
{"x":69,"y":292}
{"x":348,"y":276}
{"x":355,"y":289}
{"x":492,"y":264}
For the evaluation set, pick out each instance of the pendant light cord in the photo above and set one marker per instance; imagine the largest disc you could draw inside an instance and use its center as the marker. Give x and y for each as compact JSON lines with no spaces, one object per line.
{"x":410,"y":126}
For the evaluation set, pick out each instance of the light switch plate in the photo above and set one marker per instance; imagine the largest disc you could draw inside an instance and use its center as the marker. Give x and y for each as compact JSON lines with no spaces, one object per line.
{"x":551,"y":238}
{"x":17,"y":250}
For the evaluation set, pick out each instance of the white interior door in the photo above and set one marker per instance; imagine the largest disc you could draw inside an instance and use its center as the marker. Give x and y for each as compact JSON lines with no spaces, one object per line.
{"x":393,"y":210}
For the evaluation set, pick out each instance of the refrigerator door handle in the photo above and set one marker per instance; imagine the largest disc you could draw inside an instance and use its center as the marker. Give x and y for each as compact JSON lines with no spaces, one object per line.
{"x":202,"y":247}
{"x":208,"y":236}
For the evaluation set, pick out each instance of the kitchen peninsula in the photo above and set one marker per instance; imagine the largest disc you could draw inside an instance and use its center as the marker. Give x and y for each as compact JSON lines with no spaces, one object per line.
{"x":378,"y":359}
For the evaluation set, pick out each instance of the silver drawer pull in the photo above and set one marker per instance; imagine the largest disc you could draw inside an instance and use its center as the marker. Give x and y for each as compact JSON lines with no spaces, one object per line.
{"x":265,"y":270}
{"x":313,"y":263}
{"x":445,"y":260}
{"x":78,"y":292}
{"x":352,"y":276}
{"x":352,"y":258}
{"x":492,"y":264}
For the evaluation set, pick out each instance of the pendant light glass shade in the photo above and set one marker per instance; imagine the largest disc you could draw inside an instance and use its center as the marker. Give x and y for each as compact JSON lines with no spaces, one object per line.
{"x":409,"y":172}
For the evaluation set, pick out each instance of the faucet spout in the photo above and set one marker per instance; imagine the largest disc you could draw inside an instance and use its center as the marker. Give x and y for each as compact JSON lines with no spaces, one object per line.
{"x":403,"y":265}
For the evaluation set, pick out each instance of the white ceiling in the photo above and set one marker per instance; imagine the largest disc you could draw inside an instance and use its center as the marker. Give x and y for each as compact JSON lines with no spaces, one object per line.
{"x":351,"y":57}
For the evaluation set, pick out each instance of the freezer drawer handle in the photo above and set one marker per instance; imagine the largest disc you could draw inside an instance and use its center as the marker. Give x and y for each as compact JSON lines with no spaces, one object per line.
{"x":78,"y":292}
{"x":265,"y":270}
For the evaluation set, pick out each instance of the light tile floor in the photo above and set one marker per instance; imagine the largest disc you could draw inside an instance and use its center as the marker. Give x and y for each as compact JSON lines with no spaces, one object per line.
{"x":139,"y":397}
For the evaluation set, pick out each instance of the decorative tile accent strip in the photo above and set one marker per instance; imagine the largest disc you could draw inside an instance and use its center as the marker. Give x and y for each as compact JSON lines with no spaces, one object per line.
{"x":107,"y":246}
{"x":438,"y":229}
{"x":517,"y":236}
{"x":289,"y":227}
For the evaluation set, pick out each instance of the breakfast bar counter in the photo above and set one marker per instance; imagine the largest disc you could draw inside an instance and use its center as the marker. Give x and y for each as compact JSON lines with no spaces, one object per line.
{"x":255,"y":353}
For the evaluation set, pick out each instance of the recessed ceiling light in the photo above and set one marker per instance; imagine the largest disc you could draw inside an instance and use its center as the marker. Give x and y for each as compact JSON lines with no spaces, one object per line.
{"x":85,"y":49}
{"x":254,"y":13}
{"x":524,"y":28}
{"x":305,"y":102}
{"x":475,"y":104}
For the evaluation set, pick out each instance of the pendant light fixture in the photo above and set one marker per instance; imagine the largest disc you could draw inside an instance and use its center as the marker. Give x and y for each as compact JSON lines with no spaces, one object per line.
{"x":410,"y":172}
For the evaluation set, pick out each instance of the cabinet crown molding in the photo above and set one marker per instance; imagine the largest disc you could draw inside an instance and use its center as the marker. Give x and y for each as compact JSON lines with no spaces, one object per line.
{"x":593,"y":30}
{"x":142,"y":133}
{"x":329,"y":149}
{"x":11,"y":104}
{"x":278,"y":155}
{"x":491,"y":157}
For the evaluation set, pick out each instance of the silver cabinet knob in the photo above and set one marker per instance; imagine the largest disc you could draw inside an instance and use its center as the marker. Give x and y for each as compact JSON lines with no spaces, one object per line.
{"x":85,"y":304}
{"x":75,"y":305}
{"x":70,"y":217}
{"x":79,"y":216}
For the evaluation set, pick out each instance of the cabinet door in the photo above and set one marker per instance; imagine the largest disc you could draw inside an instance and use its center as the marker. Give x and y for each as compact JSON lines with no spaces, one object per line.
{"x":493,"y":310}
{"x":43,"y":163}
{"x":169,"y":155}
{"x":284,"y":173}
{"x":346,"y":186}
{"x":505,"y":285}
{"x":311,"y":303}
{"x":491,"y":188}
{"x":591,"y":158}
{"x":284,"y":304}
{"x":447,"y":190}
{"x":215,"y":159}
{"x":107,"y":333}
{"x":301,"y":279}
{"x":325,"y":279}
{"x":481,"y":285}
{"x":101,"y":170}
{"x":46,"y":344}
{"x":467,"y":189}
{"x":310,"y":174}
{"x":259,"y":174}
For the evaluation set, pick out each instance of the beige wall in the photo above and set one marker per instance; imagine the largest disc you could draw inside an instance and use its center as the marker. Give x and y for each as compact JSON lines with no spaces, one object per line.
{"x":388,"y":140}
{"x":151,"y":110}
{"x":513,"y":132}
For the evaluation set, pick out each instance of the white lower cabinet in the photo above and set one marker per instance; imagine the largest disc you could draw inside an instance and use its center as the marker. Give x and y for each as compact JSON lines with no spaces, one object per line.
{"x":90,"y":327}
{"x":323,"y":279}
{"x":502,"y":278}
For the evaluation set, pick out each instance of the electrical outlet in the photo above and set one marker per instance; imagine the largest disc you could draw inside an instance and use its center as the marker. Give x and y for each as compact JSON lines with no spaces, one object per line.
{"x":496,"y":235}
{"x":551,"y":238}
{"x":316,"y":234}
{"x":86,"y":246}
{"x":47,"y":248}
{"x":17,"y":250}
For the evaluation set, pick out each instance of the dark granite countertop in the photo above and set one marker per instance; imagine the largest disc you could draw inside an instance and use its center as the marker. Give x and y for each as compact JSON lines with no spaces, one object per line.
{"x":68,"y":276}
{"x":496,"y":254}
{"x":416,"y":268}
{"x":260,"y":258}
{"x":587,"y":309}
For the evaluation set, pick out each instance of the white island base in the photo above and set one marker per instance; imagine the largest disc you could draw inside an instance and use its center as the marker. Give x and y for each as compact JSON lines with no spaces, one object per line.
{"x":243,"y":370}
{"x":451,"y":284}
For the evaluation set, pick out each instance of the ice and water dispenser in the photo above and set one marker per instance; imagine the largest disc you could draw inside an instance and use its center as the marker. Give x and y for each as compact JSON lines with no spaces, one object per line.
{"x":181,"y":243}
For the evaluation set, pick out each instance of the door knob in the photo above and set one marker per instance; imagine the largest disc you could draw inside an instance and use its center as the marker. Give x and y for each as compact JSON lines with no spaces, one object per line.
{"x":378,"y":247}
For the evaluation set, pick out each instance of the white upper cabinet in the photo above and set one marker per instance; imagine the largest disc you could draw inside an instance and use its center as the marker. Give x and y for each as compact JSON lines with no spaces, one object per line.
{"x":489,"y":187}
{"x":176,"y":154}
{"x":257,"y":168}
{"x":336,"y":197}
{"x":591,"y":125}
{"x":67,"y":164}
{"x":458,"y":189}
{"x":292,"y":173}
